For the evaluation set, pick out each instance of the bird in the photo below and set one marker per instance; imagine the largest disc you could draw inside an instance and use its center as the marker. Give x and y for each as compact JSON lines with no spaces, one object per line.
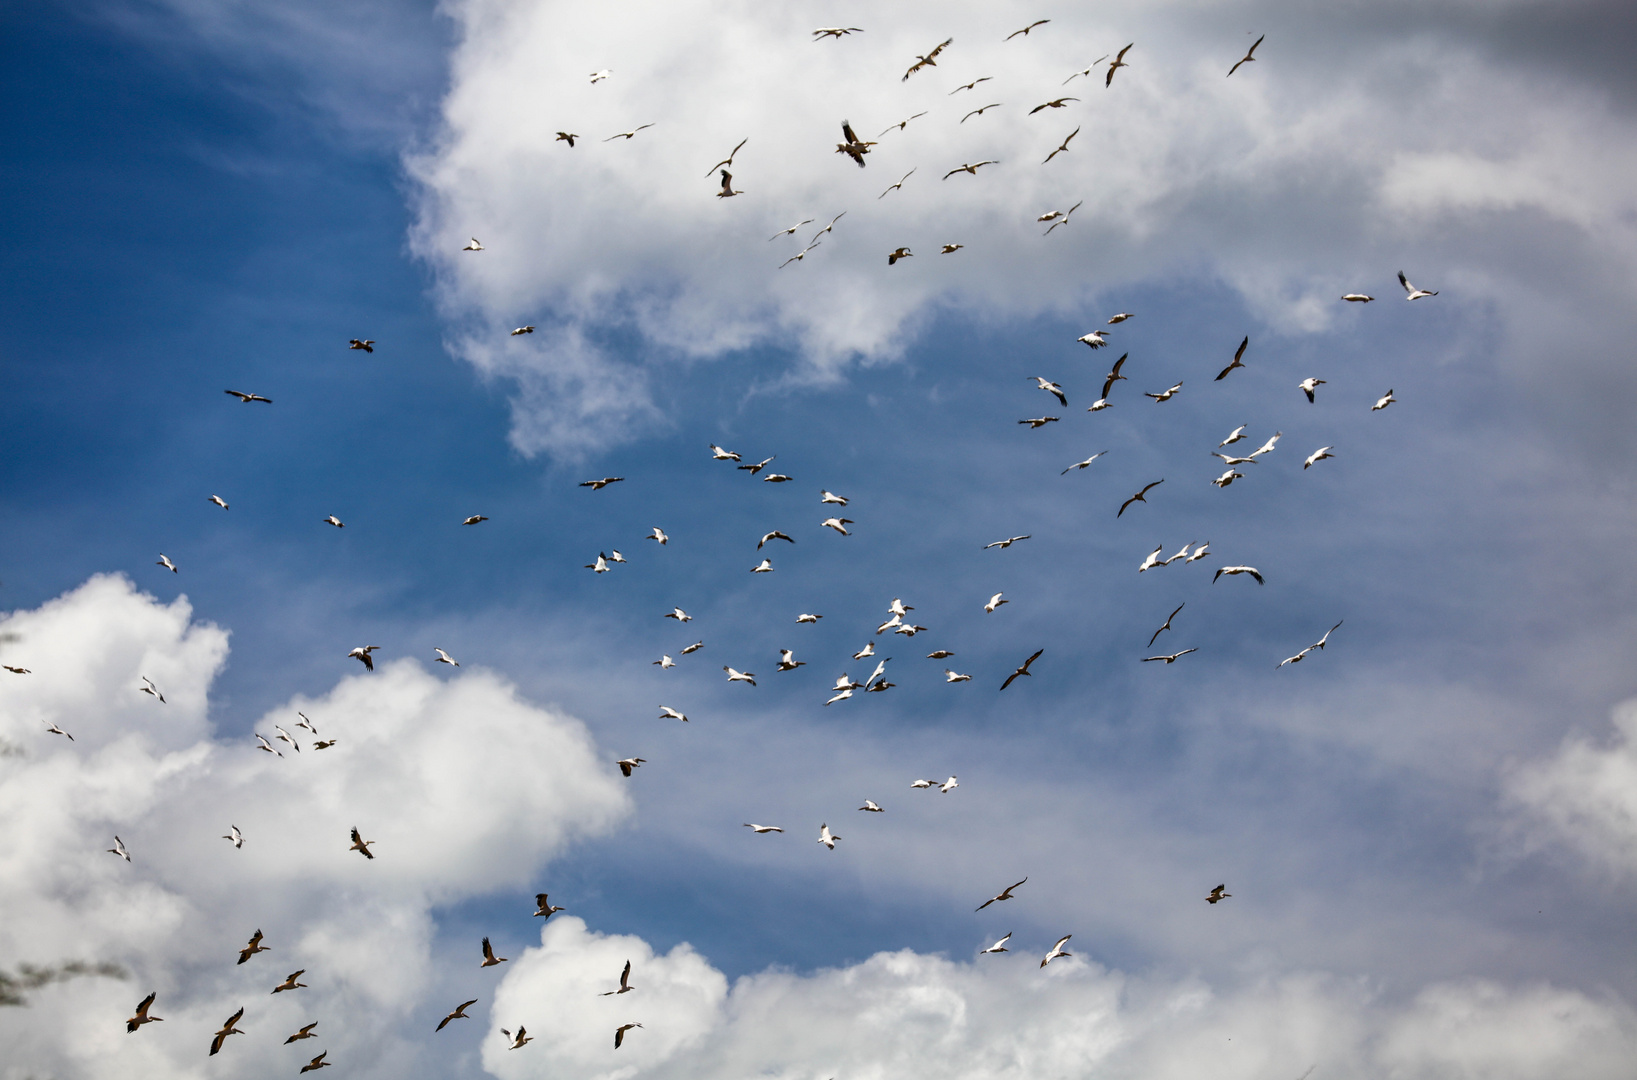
{"x":853,"y":147}
{"x":717,"y":453}
{"x":929,"y":60}
{"x":1228,"y":477}
{"x":871,"y":807}
{"x":625,"y":981}
{"x":1321,"y":454}
{"x":774,"y":535}
{"x":1267,"y":447}
{"x":599,"y":76}
{"x":361,"y":653}
{"x":1167,"y":625}
{"x":806,"y":617}
{"x":619,"y":1033}
{"x":757,"y":466}
{"x":17,"y":670}
{"x":1199,"y":553}
{"x":999,"y":946}
{"x":247,"y":398}
{"x":950,"y":249}
{"x":1115,"y":65}
{"x":1249,"y":57}
{"x":680,"y":616}
{"x":151,"y":690}
{"x":1238,"y":359}
{"x":568,"y":137}
{"x":830,"y":226}
{"x":763,"y":567}
{"x":227,"y":1029}
{"x":1152,"y":561}
{"x":1357,"y":297}
{"x":1006,"y":543}
{"x":939,"y":654}
{"x":952,"y":676}
{"x":1004,"y":894}
{"x":727,"y":162}
{"x":489,"y":957}
{"x":1171,"y":658}
{"x":306,"y":1032}
{"x":1183,"y":554}
{"x":1026,"y":29}
{"x":695,"y":647}
{"x":333,"y":520}
{"x":1083,"y":464}
{"x":474,"y":519}
{"x":366,"y":345}
{"x":971,"y":167}
{"x":835,"y":32}
{"x":234,"y":835}
{"x":1234,"y":570}
{"x":1308,"y":385}
{"x":1320,"y":644}
{"x":923,"y":784}
{"x":866,"y":651}
{"x":1023,"y":669}
{"x":880,"y":669}
{"x":1165,"y":395}
{"x":1233,"y":436}
{"x":969,"y":86}
{"x":323,"y":744}
{"x":1063,"y":149}
{"x":1298,"y":658}
{"x":290,"y":983}
{"x":1383,"y":401}
{"x":1095,"y":339}
{"x":458,"y":1014}
{"x":359,"y":844}
{"x":217,"y":499}
{"x":306,"y":722}
{"x":759,"y":829}
{"x":142,"y":1016}
{"x":522,"y":1040}
{"x":1058,"y":950}
{"x":1412,"y":293}
{"x":727,"y":191}
{"x":1119,"y":317}
{"x":1140,"y":496}
{"x":1039,"y":421}
{"x":842,"y":696}
{"x":284,"y":737}
{"x":827,"y":838}
{"x":776,"y":478}
{"x":1054,"y":389}
{"x":474,"y":245}
{"x":665,"y":662}
{"x":899,"y":253}
{"x":899,"y":184}
{"x":838,"y":524}
{"x":626,"y":765}
{"x":775,"y":236}
{"x":668,"y":713}
{"x":1055,"y":103}
{"x":1086,"y":71}
{"x":255,"y":946}
{"x":1218,"y":894}
{"x":164,"y":560}
{"x":628,"y":135}
{"x":947,"y":786}
{"x":995,"y":601}
{"x":598,"y":485}
{"x":788,"y":661}
{"x":980,"y":112}
{"x":831,"y":497}
{"x":444,"y":658}
{"x":50,"y":728}
{"x":1061,"y":217}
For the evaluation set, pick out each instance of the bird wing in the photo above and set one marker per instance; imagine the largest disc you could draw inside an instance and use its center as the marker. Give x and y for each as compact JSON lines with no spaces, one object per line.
{"x":1155,"y":484}
{"x":847,"y":132}
{"x":488,"y":950}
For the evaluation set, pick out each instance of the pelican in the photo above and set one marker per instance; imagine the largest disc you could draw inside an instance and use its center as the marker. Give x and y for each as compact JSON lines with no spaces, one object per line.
{"x":544,"y":908}
{"x":164,"y":561}
{"x":17,"y":670}
{"x":444,"y":658}
{"x":568,"y":137}
{"x":763,"y":567}
{"x":880,"y":669}
{"x":827,"y":838}
{"x":1055,"y":103}
{"x":1004,"y":894}
{"x":361,"y":653}
{"x":830,"y":226}
{"x":1298,"y":658}
{"x":1095,"y":340}
{"x":234,"y":835}
{"x":680,"y":616}
{"x":777,"y":478}
{"x":939,"y":654}
{"x":1308,"y":385}
{"x":522,"y":1040}
{"x":899,"y":253}
{"x":1057,"y":218}
{"x":800,"y":255}
{"x":980,"y":112}
{"x":255,"y":946}
{"x":247,"y":398}
{"x":626,"y":765}
{"x":727,"y":191}
{"x":869,"y":805}
{"x":599,"y":76}
{"x":367,"y":346}
{"x":1167,"y":625}
{"x":1170,"y":658}
{"x":598,"y":485}
{"x":899,"y":185}
{"x":1233,"y":436}
{"x":1054,"y":389}
{"x":458,"y":1014}
{"x":668,"y":713}
{"x":1152,"y":561}
{"x":1119,"y":317}
{"x":1115,"y":65}
{"x":1140,"y":496}
{"x":151,"y":690}
{"x":1058,"y":950}
{"x":142,"y":1016}
{"x":1412,"y":292}
{"x":695,"y":647}
{"x":1039,"y":421}
{"x":759,"y":829}
{"x":474,"y":245}
{"x":1006,"y":543}
{"x":950,"y":249}
{"x":923,"y":784}
{"x":1320,"y":644}
{"x":971,"y":167}
{"x":474,"y":519}
{"x":1199,"y":553}
{"x":1249,"y":57}
{"x":775,"y":236}
{"x":665,"y":662}
{"x":1082,"y":464}
{"x":217,"y":499}
{"x":323,"y":744}
{"x":995,"y":601}
{"x":227,"y":1029}
{"x":1183,"y":554}
{"x":806,"y":617}
{"x":999,"y":946}
{"x":600,"y":566}
{"x":838,"y":524}
{"x":360,"y":845}
{"x":719,"y":454}
{"x":1238,"y":359}
{"x":290,"y":983}
{"x":1383,"y":401}
{"x":1321,"y":454}
{"x":952,"y":676}
{"x":1228,"y":477}
{"x":867,"y":650}
{"x":788,"y":661}
{"x":50,"y":728}
{"x":628,"y":135}
{"x":619,"y":1033}
{"x":284,"y":737}
{"x":1357,"y":297}
{"x":854,"y":147}
{"x":489,"y":957}
{"x":727,"y":162}
{"x":1063,"y":149}
{"x":831,"y":497}
{"x":835,"y":32}
{"x":306,"y":1032}
{"x":1026,"y":29}
{"x":1113,"y":375}
{"x":1232,"y":570}
{"x":1218,"y":894}
{"x":1267,"y":447}
{"x":929,"y":60}
{"x":843,"y":696}
{"x":333,"y":520}
{"x":757,"y":466}
{"x":1023,"y":669}
{"x":1086,"y":71}
{"x":625,"y":982}
{"x":969,"y":86}
{"x":947,"y":786}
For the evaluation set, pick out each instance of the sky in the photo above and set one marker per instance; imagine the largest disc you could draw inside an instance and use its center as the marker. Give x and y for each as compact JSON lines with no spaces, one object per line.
{"x":1428,"y":828}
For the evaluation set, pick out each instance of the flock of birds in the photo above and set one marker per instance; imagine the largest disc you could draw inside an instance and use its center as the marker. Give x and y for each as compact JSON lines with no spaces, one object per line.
{"x":898,"y":616}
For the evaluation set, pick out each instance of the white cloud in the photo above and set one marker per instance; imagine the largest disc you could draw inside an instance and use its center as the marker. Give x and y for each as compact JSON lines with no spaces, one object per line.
{"x":1586,"y":795}
{"x":466,"y":789}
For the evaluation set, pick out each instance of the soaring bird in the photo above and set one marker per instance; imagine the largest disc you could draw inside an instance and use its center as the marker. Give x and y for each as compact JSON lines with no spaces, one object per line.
{"x":1199,"y":553}
{"x":489,"y":957}
{"x":950,"y":249}
{"x":727,"y":191}
{"x":717,"y":453}
{"x":999,"y":946}
{"x":619,"y":1033}
{"x":1320,"y":644}
{"x":1412,"y":293}
{"x":953,"y":676}
{"x":695,"y":647}
{"x":1238,"y":359}
{"x":782,"y":232}
{"x":1094,"y":340}
{"x":1026,"y":29}
{"x":757,"y":466}
{"x":800,"y":255}
{"x":119,"y":849}
{"x":522,"y":1040}
{"x":1083,"y":464}
{"x":901,"y":179}
{"x":626,"y":765}
{"x":668,"y":713}
{"x":1085,"y":71}
{"x":1383,"y":401}
{"x":255,"y":946}
{"x":1006,"y":543}
{"x":1228,"y":477}
{"x":1054,"y":389}
{"x":727,"y":162}
{"x":1267,"y":447}
{"x":1063,"y":149}
{"x":598,"y":485}
{"x":827,"y":838}
{"x":838,"y":524}
{"x":142,"y":1016}
{"x":474,"y":520}
{"x":1004,"y":894}
{"x":1298,"y":658}
{"x":1039,"y":421}
{"x":763,"y":567}
{"x":151,"y":690}
{"x":788,"y":661}
{"x":1165,"y":395}
{"x":367,"y":346}
{"x":1023,"y":669}
{"x":628,"y":135}
{"x":1115,"y":65}
{"x":1234,"y":570}
{"x":333,"y":520}
{"x":1061,"y":217}
{"x":51,"y":728}
{"x":444,"y":658}
{"x":1140,"y":496}
{"x":1249,"y":57}
{"x":808,"y":617}
{"x":164,"y":560}
{"x":568,"y":137}
{"x":759,"y":829}
{"x":947,"y":786}
{"x":777,"y":478}
{"x":1058,"y":950}
{"x":1153,"y":560}
{"x":939,"y":654}
{"x":474,"y":245}
{"x":835,"y":32}
{"x":830,"y":227}
{"x":217,"y":499}
{"x":853,"y":147}
{"x":290,"y":983}
{"x":832,"y":497}
{"x":1233,"y":436}
{"x":774,"y":535}
{"x":665,"y":662}
{"x":842,"y":696}
{"x":360,"y":845}
{"x":971,"y":167}
{"x":285,"y":737}
{"x":1357,"y":297}
{"x":1167,"y":625}
{"x":1170,"y":658}
{"x":1119,"y":317}
{"x":980,"y":112}
{"x":1055,"y":103}
{"x":234,"y":835}
{"x":923,"y":784}
{"x":247,"y":398}
{"x":306,"y":1032}
{"x":679,"y":615}
{"x":899,"y":253}
{"x":1183,"y":554}
{"x":362,"y":652}
{"x":323,"y":744}
{"x":970,"y":85}
{"x":995,"y":601}
{"x":929,"y":60}
{"x":1217,"y":894}
{"x":1308,"y":385}
{"x":458,"y":1014}
{"x":869,"y":806}
{"x":625,"y":983}
{"x":227,"y":1029}
{"x":1321,"y":454}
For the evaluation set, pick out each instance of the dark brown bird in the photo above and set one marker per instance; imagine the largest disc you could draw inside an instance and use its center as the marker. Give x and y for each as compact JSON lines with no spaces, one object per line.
{"x":1138,"y":497}
{"x":142,"y":1016}
{"x":458,"y":1014}
{"x":1248,"y":58}
{"x":929,"y":60}
{"x":253,"y":948}
{"x":227,"y":1029}
{"x":1023,"y":669}
{"x":1238,"y":359}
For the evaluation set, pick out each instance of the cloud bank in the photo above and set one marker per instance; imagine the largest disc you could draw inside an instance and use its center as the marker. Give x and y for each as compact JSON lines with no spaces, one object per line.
{"x":1585,"y":796}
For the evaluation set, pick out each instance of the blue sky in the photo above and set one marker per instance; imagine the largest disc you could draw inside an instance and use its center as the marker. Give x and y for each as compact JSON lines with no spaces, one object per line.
{"x":201,"y":200}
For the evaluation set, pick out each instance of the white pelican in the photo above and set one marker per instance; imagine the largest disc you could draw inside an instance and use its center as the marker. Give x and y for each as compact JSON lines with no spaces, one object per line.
{"x":1026,"y":29}
{"x":1115,"y":65}
{"x":1358,"y":297}
{"x":1413,"y":292}
{"x":832,"y":497}
{"x":619,"y":1033}
{"x":489,"y":957}
{"x":1153,"y":559}
{"x":360,"y":845}
{"x":763,"y":567}
{"x":255,"y":946}
{"x":1063,"y":149}
{"x":1227,"y":478}
{"x":1321,"y":454}
{"x":444,"y":658}
{"x":217,"y":499}
{"x":247,"y":398}
{"x":601,"y":482}
{"x":1004,"y":894}
{"x":53,"y":728}
{"x":263,"y":744}
{"x":458,"y":1014}
{"x":626,"y":765}
{"x":1057,"y":950}
{"x":867,"y":650}
{"x":774,"y":535}
{"x":331,"y":519}
{"x":1054,"y":389}
{"x":1166,"y":395}
{"x":1248,"y":58}
{"x":999,"y":946}
{"x":970,"y":167}
{"x":1022,"y":669}
{"x":1308,"y":385}
{"x":1238,"y":359}
{"x":869,"y":805}
{"x":788,"y":661}
{"x":1382,"y":402}
{"x":628,"y":135}
{"x":142,"y":1016}
{"x":226,"y":1030}
{"x":970,"y":85}
{"x":1167,"y":625}
{"x":658,"y":535}
{"x":1217,"y":894}
{"x":1139,"y":496}
{"x":843,"y":696}
{"x":361,"y":653}
{"x":474,"y":520}
{"x":929,"y":60}
{"x":625,"y":983}
{"x":1082,"y":464}
{"x":679,"y":615}
{"x":1006,"y":543}
{"x":599,"y":76}
{"x":1093,"y":340}
{"x":939,"y":654}
{"x":923,"y":784}
{"x":759,"y":829}
{"x":474,"y":245}
{"x":899,"y":253}
{"x":1233,"y":436}
{"x":522,"y":1040}
{"x":665,"y":662}
{"x":367,"y":346}
{"x":1119,"y":317}
{"x":284,"y":737}
{"x":1055,"y":103}
{"x":1170,"y":658}
{"x":164,"y":561}
{"x":947,"y":786}
{"x":543,"y":907}
{"x":980,"y":112}
{"x":1267,"y":447}
{"x":838,"y":524}
{"x":290,"y":983}
{"x":952,"y":676}
{"x":151,"y":690}
{"x":234,"y":835}
{"x":995,"y":601}
{"x":827,"y":838}
{"x":719,"y":454}
{"x":775,"y":236}
{"x":306,"y":1032}
{"x":695,"y":647}
{"x":1232,"y":570}
{"x":1199,"y":553}
{"x":668,"y":713}
{"x":1039,"y":421}
{"x":950,"y":249}
{"x":808,"y":618}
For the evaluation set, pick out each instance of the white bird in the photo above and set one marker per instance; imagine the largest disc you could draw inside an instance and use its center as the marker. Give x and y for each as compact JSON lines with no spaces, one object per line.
{"x":1233,"y":570}
{"x":619,"y":1033}
{"x":1320,"y":644}
{"x":970,"y":167}
{"x":668,"y":713}
{"x":831,"y":497}
{"x":247,"y":398}
{"x":1093,"y":340}
{"x":331,"y":519}
{"x":880,"y":670}
{"x":625,"y":983}
{"x":1170,"y":658}
{"x":1383,"y":402}
{"x":898,"y":607}
{"x":151,"y":690}
{"x":1050,"y":387}
{"x":119,"y":849}
{"x":1166,"y":395}
{"x":522,"y":1040}
{"x":896,"y":620}
{"x":142,"y":1016}
{"x":1057,"y":950}
{"x":290,"y":983}
{"x":679,"y":615}
{"x":1267,"y":447}
{"x":867,"y":650}
{"x":1119,"y":317}
{"x":1227,"y":478}
{"x":1413,"y":292}
{"x":458,"y":1014}
{"x":838,"y":524}
{"x":1006,"y":543}
{"x":628,"y":135}
{"x":1062,"y":149}
{"x":1218,"y":894}
{"x":1321,"y":454}
{"x":719,"y":454}
{"x":808,"y":618}
{"x":307,"y":723}
{"x":1140,"y":496}
{"x":1183,"y":554}
{"x":1115,"y":65}
{"x":1230,"y":460}
{"x":1004,"y":894}
{"x":759,"y":829}
{"x":792,"y":229}
{"x":53,"y":728}
{"x":599,"y":76}
{"x":527,"y":329}
{"x":473,"y":246}
{"x":788,"y":661}
{"x":1060,"y":217}
{"x":947,"y":786}
{"x":227,"y":1029}
{"x":843,"y":696}
{"x":444,"y":658}
{"x":763,"y":567}
{"x":164,"y":561}
{"x":658,"y":535}
{"x":1083,"y":464}
{"x":827,"y":838}
{"x":1358,"y":297}
{"x":234,"y":835}
{"x":950,"y":249}
{"x":1233,"y":436}
{"x":774,"y":535}
{"x":739,"y":676}
{"x":361,"y":653}
{"x":360,"y":845}
{"x":999,"y":946}
{"x":1308,"y":385}
{"x":951,"y":676}
{"x":615,"y":556}
{"x":1298,"y":658}
{"x":695,"y":647}
{"x":17,"y":670}
{"x":1099,"y":405}
{"x":939,"y":654}
{"x":284,"y":736}
{"x":1199,"y":553}
{"x":489,"y":957}
{"x":995,"y":601}
{"x":870,"y":806}
{"x":776,"y":478}
{"x":1152,"y":561}
{"x":626,"y":765}
{"x":923,"y":784}
{"x":899,"y":185}
{"x":475,"y":519}
{"x":263,"y":744}
{"x":217,"y":499}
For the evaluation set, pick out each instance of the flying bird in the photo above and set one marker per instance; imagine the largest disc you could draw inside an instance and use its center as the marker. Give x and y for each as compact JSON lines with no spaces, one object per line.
{"x":50,"y":728}
{"x":968,"y":86}
{"x":1357,"y":297}
{"x":1006,"y":543}
{"x":759,"y":829}
{"x":929,"y":60}
{"x":1086,"y":71}
{"x":444,"y":658}
{"x":1095,"y":339}
{"x":869,"y":805}
{"x":619,"y":1033}
{"x":1321,"y":454}
{"x":971,"y":167}
{"x":1183,"y":554}
{"x":838,"y":524}
{"x":727,"y":162}
{"x":489,"y":957}
{"x":995,"y":601}
{"x":1061,"y":217}
{"x":1233,"y":436}
{"x":1153,"y":559}
{"x":923,"y":784}
{"x":151,"y":690}
{"x":1063,"y":149}
{"x":727,"y":191}
{"x":234,"y":835}
{"x":367,"y":346}
{"x":333,"y":520}
{"x":1114,"y":375}
{"x":284,"y":737}
{"x":901,"y":125}
{"x":1115,"y":65}
{"x":695,"y":647}
{"x":1165,"y":395}
{"x":853,"y":147}
{"x":227,"y":1029}
{"x":360,"y":845}
{"x":217,"y":499}
{"x":717,"y":453}
{"x":806,"y":617}
{"x":1412,"y":292}
{"x":361,"y":653}
{"x":544,"y":908}
{"x":1218,"y":894}
{"x":1058,"y":950}
{"x":939,"y":654}
{"x":788,"y":661}
{"x":1039,"y":421}
{"x":665,"y":662}
{"x":763,"y":567}
{"x":680,"y":616}
{"x":1119,"y":317}
{"x":599,"y":76}
{"x":625,"y":982}
{"x":899,"y":253}
{"x":1083,"y":464}
{"x":598,"y":485}
{"x":522,"y":1040}
{"x":999,"y":946}
{"x":1054,"y":389}
{"x":836,"y":32}
{"x":1141,"y":495}
{"x":1238,"y":359}
{"x":248,"y":398}
{"x":628,"y":134}
{"x":255,"y":946}
{"x":1199,"y":553}
{"x":568,"y":137}
{"x":1248,"y":58}
{"x":952,"y":676}
{"x":1004,"y":894}
{"x":757,"y":466}
{"x":1382,"y":402}
{"x":473,"y":245}
{"x":1167,"y":625}
{"x":777,"y":478}
{"x":950,"y":249}
{"x":323,"y":744}
{"x":774,"y":535}
{"x":475,"y":519}
{"x":142,"y":1016}
{"x":1026,"y":29}
{"x":1320,"y":644}
{"x":1308,"y":385}
{"x":306,"y":1032}
{"x":1055,"y":103}
{"x":626,"y":765}
{"x":775,"y":236}
{"x":898,"y":185}
{"x":1234,"y":570}
{"x":830,"y":226}
{"x":290,"y":983}
{"x":668,"y":713}
{"x":832,"y":497}
{"x":867,"y":651}
{"x":1267,"y":447}
{"x":1023,"y":669}
{"x":164,"y":560}
{"x":980,"y":112}
{"x":827,"y":838}
{"x":1170,"y":658}
{"x":1228,"y":478}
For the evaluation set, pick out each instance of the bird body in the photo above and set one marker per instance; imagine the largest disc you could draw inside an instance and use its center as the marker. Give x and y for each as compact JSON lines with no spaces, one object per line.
{"x":1171,"y":658}
{"x":217,"y":499}
{"x":360,"y":845}
{"x":365,"y":345}
{"x":1140,"y":496}
{"x":489,"y":957}
{"x":995,"y":601}
{"x":951,"y":676}
{"x":1096,"y":340}
{"x":626,"y":765}
{"x":788,"y":661}
{"x":668,"y":713}
{"x":1321,"y":454}
{"x":1115,"y":65}
{"x":1384,"y":401}
{"x":838,"y":524}
{"x":970,"y":168}
{"x":255,"y":946}
{"x":458,"y":1014}
{"x":1228,"y":477}
{"x":599,"y":484}
{"x":1004,"y":894}
{"x":832,"y":497}
{"x":929,"y":60}
{"x":1165,"y":395}
{"x":234,"y":835}
{"x":619,"y":1033}
{"x":759,"y":829}
{"x":680,"y":616}
{"x":361,"y":653}
{"x":1411,"y":292}
{"x":473,"y":245}
{"x":999,"y":946}
{"x":1057,"y":950}
{"x":899,"y":253}
{"x":333,"y":520}
{"x":306,"y":1032}
{"x":827,"y":838}
{"x":1218,"y":894}
{"x":1023,"y":669}
{"x":1249,"y":57}
{"x":1235,"y":570}
{"x":625,"y":983}
{"x":119,"y":849}
{"x":164,"y":561}
{"x":290,"y":983}
{"x":870,"y":807}
{"x":1358,"y":298}
{"x":141,"y":1016}
{"x":1308,"y":385}
{"x":1006,"y":543}
{"x":1050,"y":387}
{"x":228,"y":1028}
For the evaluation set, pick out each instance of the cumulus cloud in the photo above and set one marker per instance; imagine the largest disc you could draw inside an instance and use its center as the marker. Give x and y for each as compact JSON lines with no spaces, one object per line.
{"x":465,"y":788}
{"x":1342,"y":155}
{"x":1585,"y":795}
{"x":1002,"y":1017}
